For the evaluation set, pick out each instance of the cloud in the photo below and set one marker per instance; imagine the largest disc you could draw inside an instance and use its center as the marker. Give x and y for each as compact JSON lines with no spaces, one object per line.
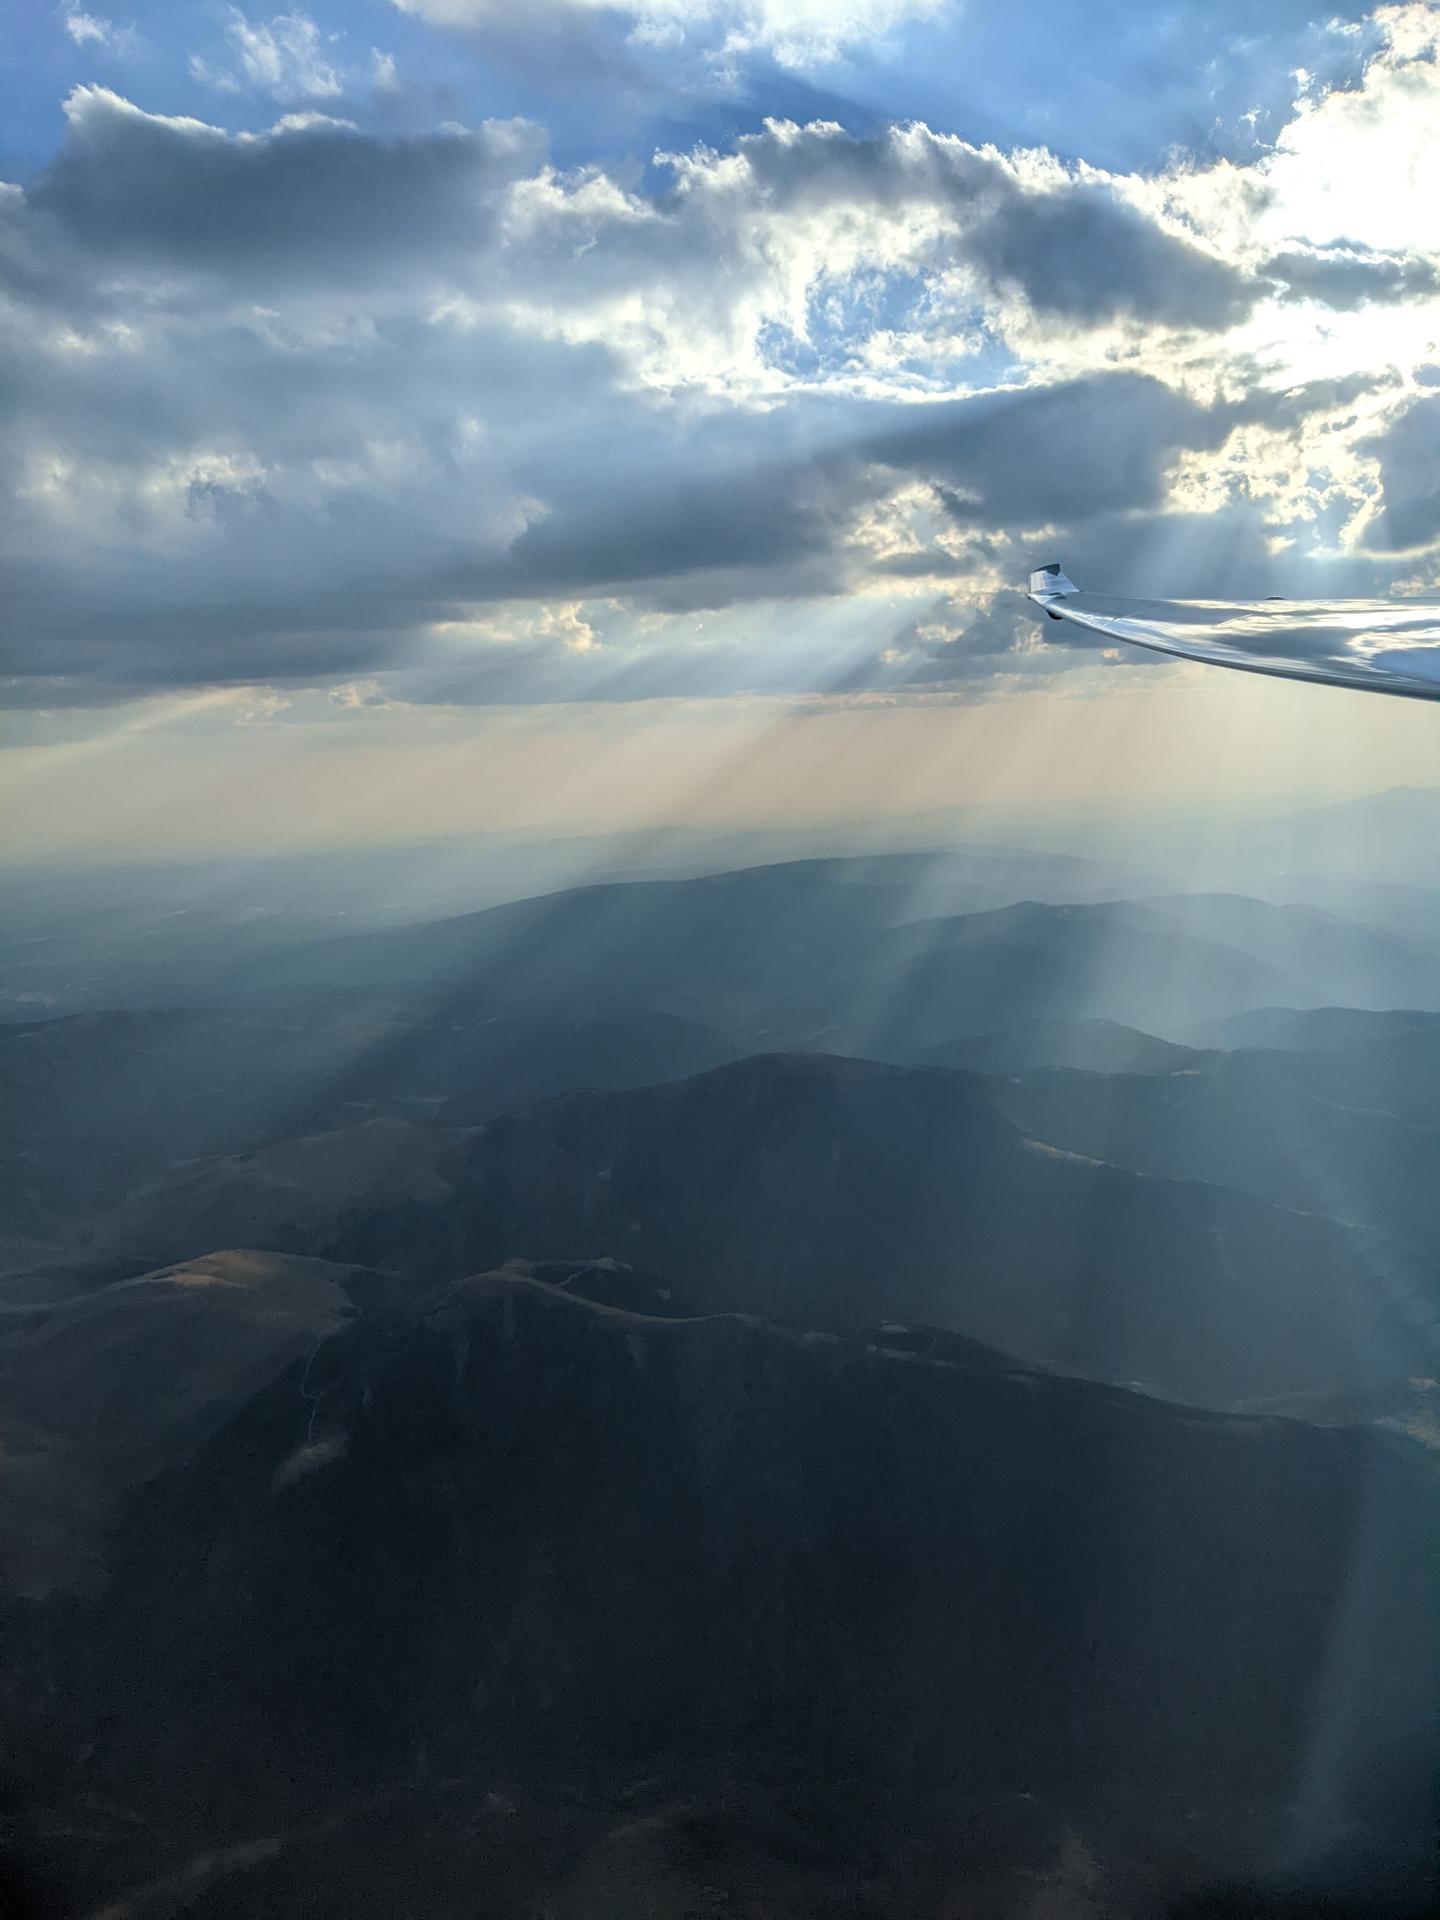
{"x":1347,"y":277}
{"x":1081,"y":251}
{"x":957,"y":643}
{"x":1407,"y":516}
{"x":1062,"y":453}
{"x":796,"y":33}
{"x":313,"y":201}
{"x":325,"y":404}
{"x":1359,"y":165}
{"x":209,"y":75}
{"x":94,"y":30}
{"x":285,"y":57}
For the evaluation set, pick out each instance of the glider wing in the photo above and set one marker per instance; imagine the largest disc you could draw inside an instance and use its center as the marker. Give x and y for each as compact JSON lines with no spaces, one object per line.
{"x":1376,"y":646}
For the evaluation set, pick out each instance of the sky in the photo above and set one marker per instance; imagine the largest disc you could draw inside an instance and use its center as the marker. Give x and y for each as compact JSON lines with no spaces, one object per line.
{"x":427,"y":416}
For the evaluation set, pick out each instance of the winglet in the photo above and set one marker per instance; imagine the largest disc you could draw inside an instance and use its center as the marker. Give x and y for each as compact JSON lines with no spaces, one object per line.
{"x":1047,"y":584}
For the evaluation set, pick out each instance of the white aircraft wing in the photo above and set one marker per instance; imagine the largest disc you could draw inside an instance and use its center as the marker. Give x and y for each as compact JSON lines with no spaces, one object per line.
{"x":1378,"y":646}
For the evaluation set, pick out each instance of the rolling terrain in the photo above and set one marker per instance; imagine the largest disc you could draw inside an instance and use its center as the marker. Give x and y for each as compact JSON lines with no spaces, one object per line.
{"x":104,"y":1389}
{"x":827,"y":1389}
{"x":626,"y":985}
{"x":834,"y":1192}
{"x":715,"y":1604}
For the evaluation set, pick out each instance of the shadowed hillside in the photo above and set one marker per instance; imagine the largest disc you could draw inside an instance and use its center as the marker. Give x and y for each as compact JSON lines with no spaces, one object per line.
{"x":833,"y":1192}
{"x":740,"y":1568}
{"x":899,"y":1575}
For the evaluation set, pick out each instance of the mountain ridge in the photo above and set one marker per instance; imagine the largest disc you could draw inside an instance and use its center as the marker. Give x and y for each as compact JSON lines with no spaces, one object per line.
{"x":700,"y":1547}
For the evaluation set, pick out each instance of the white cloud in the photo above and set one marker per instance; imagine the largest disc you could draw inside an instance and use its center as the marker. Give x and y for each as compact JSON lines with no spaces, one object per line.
{"x":1363,"y":165}
{"x":93,"y":30}
{"x":260,"y":707}
{"x":358,"y":696}
{"x":220,"y":78}
{"x":285,"y":57}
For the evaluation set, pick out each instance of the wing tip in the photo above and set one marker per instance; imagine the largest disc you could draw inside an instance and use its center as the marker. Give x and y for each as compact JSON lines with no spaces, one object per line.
{"x":1049,"y":583}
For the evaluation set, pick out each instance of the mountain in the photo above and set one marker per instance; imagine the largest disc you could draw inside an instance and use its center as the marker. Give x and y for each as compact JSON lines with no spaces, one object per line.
{"x":616,"y":942}
{"x":1410,"y":1406}
{"x":834,"y":1192}
{"x":607,"y":1613}
{"x":1260,"y":1122}
{"x":927,"y":983}
{"x":844,"y":955}
{"x":1372,"y":839}
{"x":103,"y":1390}
{"x":141,"y":936}
{"x":487,"y":1065}
{"x":1094,"y":1046}
{"x":1340,"y":961}
{"x":1385,"y":1063}
{"x":95,"y":1108}
{"x":1390,"y":834}
{"x":1400,"y":907}
{"x":296,"y":1196}
{"x":1312,"y":1029}
{"x":624,"y":985}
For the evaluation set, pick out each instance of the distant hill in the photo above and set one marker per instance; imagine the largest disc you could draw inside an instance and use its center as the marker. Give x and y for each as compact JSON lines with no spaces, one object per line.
{"x":488,"y":1066}
{"x":1096,"y":1046}
{"x":139,"y":936}
{"x":627,"y":1614}
{"x":615,"y":942}
{"x":1374,"y":837}
{"x":1341,"y":961}
{"x":931,"y":982}
{"x":293,"y":1197}
{"x":95,"y":1108}
{"x":1410,"y":1406}
{"x":1258,"y":1121}
{"x":832,"y":1193}
{"x":810,"y":955}
{"x":833,"y":1190}
{"x":631,"y":984}
{"x":1409,"y":908}
{"x":1308,"y":1029}
{"x":1384,"y":1063}
{"x":104,"y":1390}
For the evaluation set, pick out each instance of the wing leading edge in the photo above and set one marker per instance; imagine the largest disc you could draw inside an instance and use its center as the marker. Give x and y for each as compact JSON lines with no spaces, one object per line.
{"x":1375,"y":646}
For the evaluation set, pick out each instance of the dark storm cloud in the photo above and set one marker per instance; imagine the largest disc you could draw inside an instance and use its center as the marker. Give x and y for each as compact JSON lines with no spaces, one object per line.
{"x":1348,"y":277}
{"x":1287,"y":409}
{"x":1084,"y":252}
{"x":1408,"y":516}
{"x":311,"y":200}
{"x":1044,"y":454}
{"x":1067,"y":453}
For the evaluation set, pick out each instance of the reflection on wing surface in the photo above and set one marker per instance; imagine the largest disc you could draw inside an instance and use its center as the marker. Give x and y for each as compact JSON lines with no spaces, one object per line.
{"x":1376,"y":646}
